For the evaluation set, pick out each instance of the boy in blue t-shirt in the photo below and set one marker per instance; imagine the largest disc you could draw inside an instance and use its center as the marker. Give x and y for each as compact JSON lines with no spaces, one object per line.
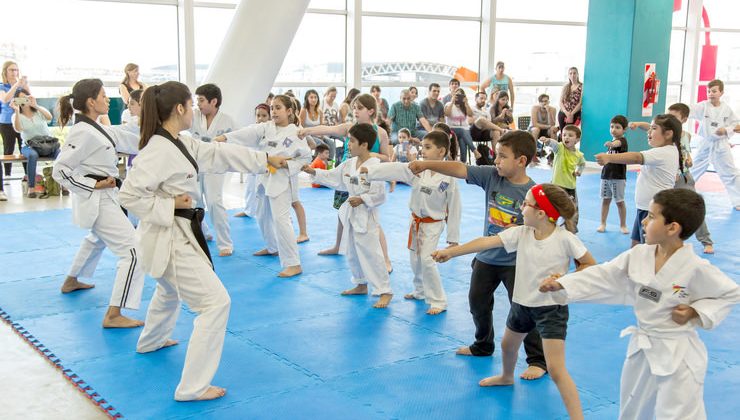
{"x":506,"y":184}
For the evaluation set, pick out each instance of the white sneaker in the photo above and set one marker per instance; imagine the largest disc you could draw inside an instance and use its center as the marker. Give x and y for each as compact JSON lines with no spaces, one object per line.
{"x":3,"y":197}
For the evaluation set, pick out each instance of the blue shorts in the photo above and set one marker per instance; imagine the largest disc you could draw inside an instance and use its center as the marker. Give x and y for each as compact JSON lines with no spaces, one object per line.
{"x":637,"y":233}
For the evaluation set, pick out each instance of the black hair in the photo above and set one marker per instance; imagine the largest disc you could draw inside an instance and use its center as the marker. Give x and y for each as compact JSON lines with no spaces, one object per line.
{"x":681,"y":206}
{"x":621,"y":120}
{"x":433,"y":85}
{"x":320,"y":148}
{"x":520,"y":142}
{"x":439,"y":139}
{"x":668,"y":122}
{"x":136,"y":95}
{"x":157,"y":104}
{"x":453,"y":80}
{"x":681,"y":108}
{"x":573,"y":129}
{"x":82,"y":91}
{"x":364,"y":133}
{"x":210,"y":92}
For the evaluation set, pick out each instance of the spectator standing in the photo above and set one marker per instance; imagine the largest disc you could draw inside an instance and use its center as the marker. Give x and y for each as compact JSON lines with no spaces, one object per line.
{"x":130,"y":82}
{"x":571,"y":100}
{"x":499,"y":82}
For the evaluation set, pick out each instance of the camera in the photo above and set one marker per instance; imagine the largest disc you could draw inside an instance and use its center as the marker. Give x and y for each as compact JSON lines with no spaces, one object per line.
{"x":21,"y":101}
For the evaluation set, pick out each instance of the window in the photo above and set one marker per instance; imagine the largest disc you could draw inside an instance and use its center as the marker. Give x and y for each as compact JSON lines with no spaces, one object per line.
{"x":675,"y":61}
{"x":412,"y":53}
{"x":317,"y":52}
{"x":728,"y":54}
{"x":210,"y":26}
{"x":722,"y":13}
{"x":470,"y":8}
{"x":63,"y":46}
{"x":562,"y":10}
{"x":328,"y":4}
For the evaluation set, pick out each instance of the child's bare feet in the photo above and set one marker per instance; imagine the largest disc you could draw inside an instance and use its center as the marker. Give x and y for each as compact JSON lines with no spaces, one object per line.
{"x":384,"y":300}
{"x":241,"y":214}
{"x":496,"y":381}
{"x":170,"y":343}
{"x":533,"y":372}
{"x":71,"y":284}
{"x":464,"y":351}
{"x":624,"y":230}
{"x":601,"y":229}
{"x":291,"y":271}
{"x":301,"y":239}
{"x":212,"y":393}
{"x":225,"y":252}
{"x":330,"y":251}
{"x":360,"y":289}
{"x":435,"y":311}
{"x":264,"y":252}
{"x":120,"y":321}
{"x":409,"y":296}
{"x":708,"y":249}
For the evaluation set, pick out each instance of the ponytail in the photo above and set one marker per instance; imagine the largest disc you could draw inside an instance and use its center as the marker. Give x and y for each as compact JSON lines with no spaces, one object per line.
{"x":157,"y":104}
{"x":65,"y":110}
{"x":668,"y":122}
{"x":82,"y":91}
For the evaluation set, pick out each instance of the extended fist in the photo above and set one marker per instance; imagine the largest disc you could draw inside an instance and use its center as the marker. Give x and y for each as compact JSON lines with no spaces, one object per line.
{"x":183,"y":201}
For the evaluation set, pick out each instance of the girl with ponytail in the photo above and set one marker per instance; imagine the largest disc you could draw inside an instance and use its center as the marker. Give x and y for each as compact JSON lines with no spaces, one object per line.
{"x":275,"y":191}
{"x":159,"y":189}
{"x":88,"y":167}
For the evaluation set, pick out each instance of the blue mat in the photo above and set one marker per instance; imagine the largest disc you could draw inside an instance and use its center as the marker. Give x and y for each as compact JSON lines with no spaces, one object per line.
{"x":295,"y":348}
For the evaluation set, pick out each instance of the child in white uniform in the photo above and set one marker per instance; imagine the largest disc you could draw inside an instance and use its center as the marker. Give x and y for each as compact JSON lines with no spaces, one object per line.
{"x":435,"y":199}
{"x":553,"y":248}
{"x":717,"y":123}
{"x":88,"y":167}
{"x":208,"y":122}
{"x":359,"y":214}
{"x":277,"y":137}
{"x":673,"y":293}
{"x":261,"y":115}
{"x":160,"y":189}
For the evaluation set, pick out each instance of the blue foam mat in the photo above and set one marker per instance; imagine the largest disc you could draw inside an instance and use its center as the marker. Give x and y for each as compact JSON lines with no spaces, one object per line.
{"x":296,"y":348}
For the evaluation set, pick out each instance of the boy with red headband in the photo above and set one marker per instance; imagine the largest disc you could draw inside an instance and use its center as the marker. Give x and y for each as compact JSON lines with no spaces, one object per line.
{"x":505,"y":185}
{"x":553,"y":247}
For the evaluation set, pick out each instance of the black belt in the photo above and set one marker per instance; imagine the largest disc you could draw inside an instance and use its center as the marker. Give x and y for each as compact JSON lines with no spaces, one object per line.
{"x":196,"y":217}
{"x":102,"y":178}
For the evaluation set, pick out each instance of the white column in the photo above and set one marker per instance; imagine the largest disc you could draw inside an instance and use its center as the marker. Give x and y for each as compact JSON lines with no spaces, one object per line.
{"x":486,"y":64}
{"x":186,"y":42}
{"x":253,"y":49}
{"x":353,"y":73}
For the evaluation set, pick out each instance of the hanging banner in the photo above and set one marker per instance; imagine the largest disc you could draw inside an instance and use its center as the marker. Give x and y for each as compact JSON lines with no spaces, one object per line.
{"x":650,"y":90}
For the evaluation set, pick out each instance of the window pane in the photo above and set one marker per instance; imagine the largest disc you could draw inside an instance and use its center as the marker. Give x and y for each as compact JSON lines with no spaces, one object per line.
{"x":425,"y":7}
{"x":567,"y":10}
{"x":675,"y":62}
{"x":728,"y":55}
{"x":531,"y":59}
{"x":420,"y":61}
{"x":673,"y":95}
{"x":526,"y":97}
{"x":317,"y":53}
{"x":47,"y":51}
{"x":722,"y":14}
{"x":680,"y":16}
{"x":328,"y":4}
{"x":210,"y":26}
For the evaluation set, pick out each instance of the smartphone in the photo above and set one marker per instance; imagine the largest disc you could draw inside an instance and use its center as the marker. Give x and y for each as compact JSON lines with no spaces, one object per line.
{"x":21,"y":101}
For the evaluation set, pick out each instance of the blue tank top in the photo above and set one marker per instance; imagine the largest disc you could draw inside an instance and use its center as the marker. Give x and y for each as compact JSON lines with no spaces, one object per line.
{"x":374,"y":149}
{"x":6,"y":112}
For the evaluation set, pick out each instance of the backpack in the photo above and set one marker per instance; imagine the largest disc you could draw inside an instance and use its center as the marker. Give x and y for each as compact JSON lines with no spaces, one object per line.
{"x":52,"y":187}
{"x":45,"y":146}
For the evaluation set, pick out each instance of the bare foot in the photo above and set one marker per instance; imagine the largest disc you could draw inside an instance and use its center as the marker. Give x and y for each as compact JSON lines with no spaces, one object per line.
{"x":496,"y":381}
{"x":384,"y":300}
{"x":71,"y":284}
{"x":360,"y":289}
{"x":264,"y":252}
{"x":170,"y":343}
{"x":533,"y":372}
{"x":624,"y":230}
{"x":121,"y":321}
{"x":212,"y":393}
{"x":389,"y":267}
{"x":601,"y":229}
{"x":409,"y":296}
{"x":301,"y":239}
{"x":330,"y":251}
{"x":435,"y":311}
{"x":464,"y":351}
{"x":291,"y":271}
{"x":241,"y":214}
{"x":225,"y":252}
{"x":708,"y":249}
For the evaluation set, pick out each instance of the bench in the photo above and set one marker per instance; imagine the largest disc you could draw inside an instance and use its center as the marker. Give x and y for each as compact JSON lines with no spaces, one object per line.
{"x":20,"y":158}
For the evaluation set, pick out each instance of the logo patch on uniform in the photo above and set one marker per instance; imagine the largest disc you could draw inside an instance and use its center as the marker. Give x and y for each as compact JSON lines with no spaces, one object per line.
{"x":443,"y":186}
{"x":650,"y":294}
{"x":287,"y":142}
{"x":680,"y":291}
{"x":354,"y":180}
{"x":272,"y":143}
{"x":426,"y":190}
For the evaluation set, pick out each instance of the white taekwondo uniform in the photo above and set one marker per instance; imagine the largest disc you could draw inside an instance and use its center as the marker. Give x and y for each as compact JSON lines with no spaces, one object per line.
{"x":663,"y":375}
{"x":714,"y":148}
{"x":435,"y":199}
{"x":361,"y":223}
{"x":212,"y":185}
{"x":87,"y":151}
{"x":274,"y":195}
{"x":172,"y":254}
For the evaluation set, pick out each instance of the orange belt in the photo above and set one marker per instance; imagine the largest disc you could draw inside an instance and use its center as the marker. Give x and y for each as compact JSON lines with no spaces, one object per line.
{"x":416,"y":224}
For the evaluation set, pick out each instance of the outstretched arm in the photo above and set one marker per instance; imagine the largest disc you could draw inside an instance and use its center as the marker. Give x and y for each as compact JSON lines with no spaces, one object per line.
{"x":476,"y":245}
{"x":456,"y":169}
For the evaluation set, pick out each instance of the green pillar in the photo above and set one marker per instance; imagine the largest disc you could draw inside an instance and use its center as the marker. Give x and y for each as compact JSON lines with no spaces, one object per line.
{"x":622,"y":36}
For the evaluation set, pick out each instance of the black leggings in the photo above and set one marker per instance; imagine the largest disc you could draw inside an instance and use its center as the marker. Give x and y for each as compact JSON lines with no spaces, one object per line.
{"x":10,"y":138}
{"x":562,"y":123}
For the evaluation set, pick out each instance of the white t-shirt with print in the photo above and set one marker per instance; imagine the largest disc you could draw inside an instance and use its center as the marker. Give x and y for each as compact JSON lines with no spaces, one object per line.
{"x":537,"y":259}
{"x":657,"y":173}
